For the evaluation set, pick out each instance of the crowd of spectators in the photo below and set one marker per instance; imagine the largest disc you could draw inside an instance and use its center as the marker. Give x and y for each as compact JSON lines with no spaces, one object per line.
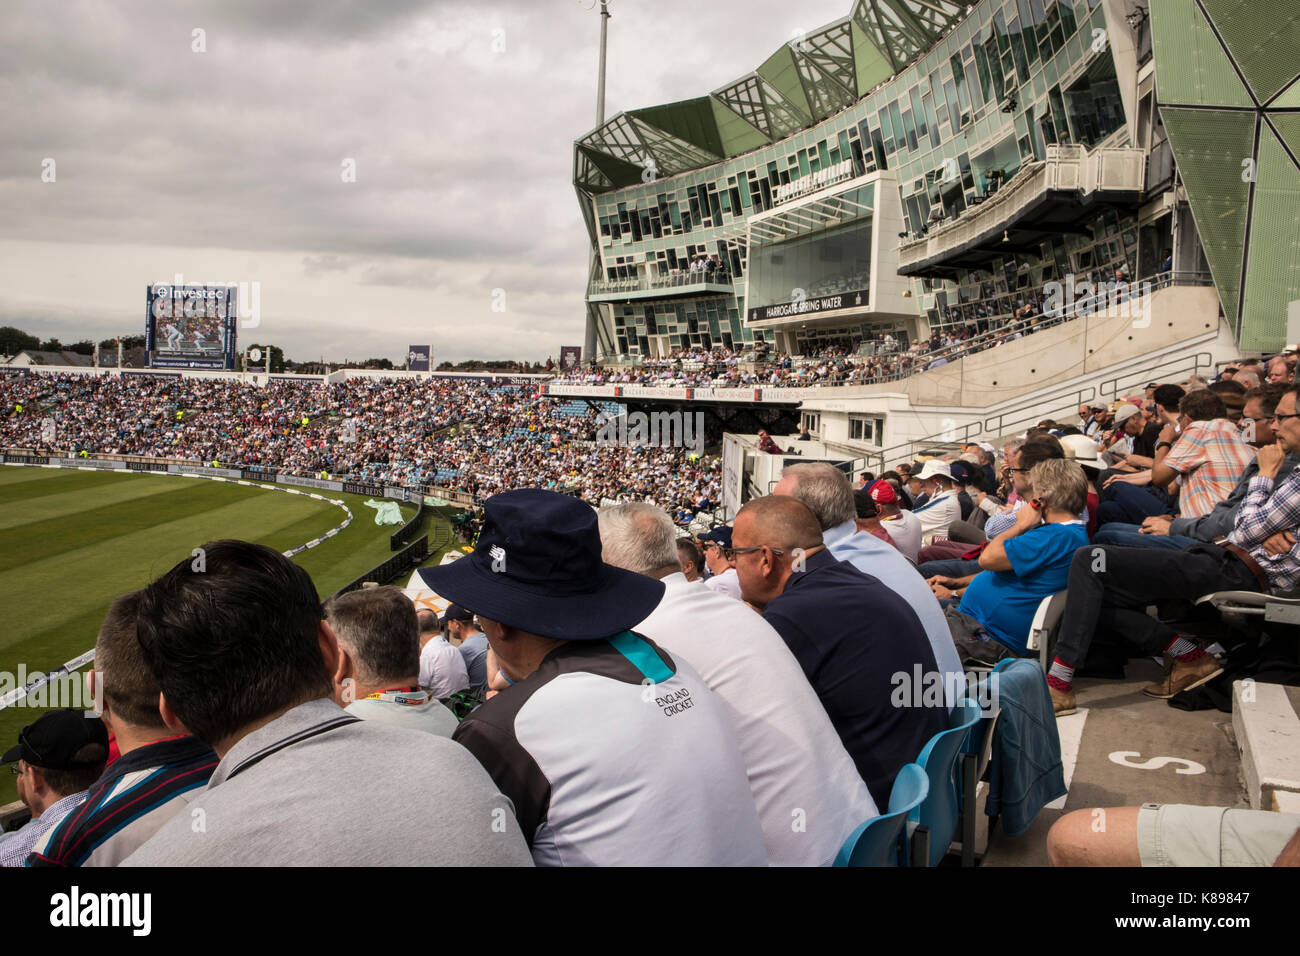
{"x":464,"y":434}
{"x":774,"y":680}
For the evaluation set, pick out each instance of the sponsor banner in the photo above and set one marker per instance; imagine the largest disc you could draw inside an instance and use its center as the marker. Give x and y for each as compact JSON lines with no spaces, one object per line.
{"x":127,"y":371}
{"x":394,"y":491}
{"x":362,"y":488}
{"x":190,"y":326}
{"x":27,"y":459}
{"x":553,"y":389}
{"x":258,"y":474}
{"x":570,"y":356}
{"x":97,"y":463}
{"x":804,"y":185}
{"x":309,"y":482}
{"x":419,"y":358}
{"x":857,"y":298}
{"x":146,"y":466}
{"x":203,"y":470}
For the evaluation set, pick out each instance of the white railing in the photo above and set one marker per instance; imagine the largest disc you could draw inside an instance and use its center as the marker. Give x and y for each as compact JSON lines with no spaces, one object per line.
{"x":673,"y":280}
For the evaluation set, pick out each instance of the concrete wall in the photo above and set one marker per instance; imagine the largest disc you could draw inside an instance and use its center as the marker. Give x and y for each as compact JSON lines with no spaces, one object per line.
{"x":1092,"y":344}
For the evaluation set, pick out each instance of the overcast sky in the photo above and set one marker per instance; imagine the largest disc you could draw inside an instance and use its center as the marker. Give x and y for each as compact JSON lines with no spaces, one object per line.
{"x":228,"y":164}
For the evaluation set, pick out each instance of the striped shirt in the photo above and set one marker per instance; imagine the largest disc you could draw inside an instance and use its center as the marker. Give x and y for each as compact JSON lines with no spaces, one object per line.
{"x":1209,"y":457}
{"x":1265,"y":511}
{"x":138,"y":793}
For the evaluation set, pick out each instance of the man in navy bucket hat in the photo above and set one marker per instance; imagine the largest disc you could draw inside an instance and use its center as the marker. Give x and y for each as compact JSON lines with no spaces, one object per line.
{"x":612,"y":752}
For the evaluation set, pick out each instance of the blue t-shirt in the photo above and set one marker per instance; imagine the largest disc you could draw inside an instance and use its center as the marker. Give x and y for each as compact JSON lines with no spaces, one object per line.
{"x":1005,"y":601}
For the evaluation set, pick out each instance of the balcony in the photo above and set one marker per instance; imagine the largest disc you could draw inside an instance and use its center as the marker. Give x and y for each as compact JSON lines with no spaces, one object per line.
{"x":679,"y":282}
{"x":1043,"y":199}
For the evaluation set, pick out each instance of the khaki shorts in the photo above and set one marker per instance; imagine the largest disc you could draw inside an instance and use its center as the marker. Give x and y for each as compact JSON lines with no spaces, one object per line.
{"x":1175,"y":834}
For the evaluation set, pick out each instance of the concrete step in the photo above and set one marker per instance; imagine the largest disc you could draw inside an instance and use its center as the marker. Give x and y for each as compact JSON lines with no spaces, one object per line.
{"x":1267,"y":728}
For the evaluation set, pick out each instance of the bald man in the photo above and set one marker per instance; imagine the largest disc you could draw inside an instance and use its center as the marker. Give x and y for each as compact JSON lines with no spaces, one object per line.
{"x":860,"y":645}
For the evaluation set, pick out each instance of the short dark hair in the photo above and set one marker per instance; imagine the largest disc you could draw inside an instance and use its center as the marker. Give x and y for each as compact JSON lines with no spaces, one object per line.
{"x":379,"y":626}
{"x":129,"y":687}
{"x":427,"y":621}
{"x":1168,"y":396}
{"x":1202,"y":405}
{"x":688,"y":552}
{"x":1040,"y":448}
{"x":1227,"y":387}
{"x":235,"y":639}
{"x":1268,"y":395}
{"x":87,"y":767}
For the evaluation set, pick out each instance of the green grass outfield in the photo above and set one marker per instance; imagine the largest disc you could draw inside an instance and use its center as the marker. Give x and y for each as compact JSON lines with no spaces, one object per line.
{"x":72,"y":541}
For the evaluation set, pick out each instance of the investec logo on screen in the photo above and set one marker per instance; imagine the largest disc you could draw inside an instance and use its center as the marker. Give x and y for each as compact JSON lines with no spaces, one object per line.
{"x":193,"y":301}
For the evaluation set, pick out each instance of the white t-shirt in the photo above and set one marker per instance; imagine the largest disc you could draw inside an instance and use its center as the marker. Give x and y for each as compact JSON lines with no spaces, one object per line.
{"x":431,"y":716}
{"x":728,"y":583}
{"x":442,"y":669}
{"x":806,"y":787}
{"x":905,"y":532}
{"x":937,"y":514}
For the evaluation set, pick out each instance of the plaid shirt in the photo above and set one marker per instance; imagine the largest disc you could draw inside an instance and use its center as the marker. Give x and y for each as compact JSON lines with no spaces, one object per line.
{"x":1265,"y":511}
{"x":1209,"y":457}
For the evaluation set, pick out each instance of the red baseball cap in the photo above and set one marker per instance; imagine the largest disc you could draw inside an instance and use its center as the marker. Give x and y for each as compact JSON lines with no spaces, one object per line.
{"x":882,"y":493}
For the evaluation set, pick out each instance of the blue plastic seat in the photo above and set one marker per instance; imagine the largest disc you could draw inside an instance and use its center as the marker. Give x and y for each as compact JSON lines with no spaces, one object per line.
{"x":879,"y":841}
{"x":940,"y":812}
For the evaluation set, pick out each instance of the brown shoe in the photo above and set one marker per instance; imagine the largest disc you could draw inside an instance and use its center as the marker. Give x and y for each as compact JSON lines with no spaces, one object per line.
{"x":1063,"y":701}
{"x":1186,"y":675}
{"x":1160,"y":689}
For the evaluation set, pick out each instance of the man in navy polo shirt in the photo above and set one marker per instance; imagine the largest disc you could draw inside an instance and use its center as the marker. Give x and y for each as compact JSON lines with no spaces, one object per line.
{"x":854,"y":638}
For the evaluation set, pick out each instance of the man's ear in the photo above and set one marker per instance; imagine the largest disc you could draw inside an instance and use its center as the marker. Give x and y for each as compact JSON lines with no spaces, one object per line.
{"x":329,"y":647}
{"x":169,"y":717}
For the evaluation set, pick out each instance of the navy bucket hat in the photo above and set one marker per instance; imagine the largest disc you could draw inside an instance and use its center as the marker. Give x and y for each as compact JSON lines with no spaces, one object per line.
{"x":537,"y":567}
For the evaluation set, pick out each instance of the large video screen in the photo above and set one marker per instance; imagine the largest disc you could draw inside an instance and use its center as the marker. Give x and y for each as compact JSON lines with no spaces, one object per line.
{"x":809,"y":274}
{"x":191,"y":326}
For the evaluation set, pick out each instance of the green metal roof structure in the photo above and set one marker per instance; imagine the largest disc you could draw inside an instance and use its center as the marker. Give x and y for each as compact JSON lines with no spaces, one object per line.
{"x":807,"y":80}
{"x":1228,"y":81}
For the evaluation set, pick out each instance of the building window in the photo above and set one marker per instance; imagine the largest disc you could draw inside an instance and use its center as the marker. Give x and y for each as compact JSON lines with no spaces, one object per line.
{"x":864,"y":429}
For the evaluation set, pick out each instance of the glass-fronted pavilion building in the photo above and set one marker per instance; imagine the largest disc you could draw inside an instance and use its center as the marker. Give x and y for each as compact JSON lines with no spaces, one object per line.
{"x":923,"y":165}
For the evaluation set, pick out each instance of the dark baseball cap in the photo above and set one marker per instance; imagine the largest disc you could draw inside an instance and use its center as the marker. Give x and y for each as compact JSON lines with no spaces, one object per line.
{"x":720,"y":536}
{"x":455,"y":613}
{"x":52,"y":741}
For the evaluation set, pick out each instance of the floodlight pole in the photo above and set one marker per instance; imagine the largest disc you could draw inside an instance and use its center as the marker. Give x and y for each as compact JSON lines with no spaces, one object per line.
{"x":589,"y":341}
{"x":600,"y":87}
